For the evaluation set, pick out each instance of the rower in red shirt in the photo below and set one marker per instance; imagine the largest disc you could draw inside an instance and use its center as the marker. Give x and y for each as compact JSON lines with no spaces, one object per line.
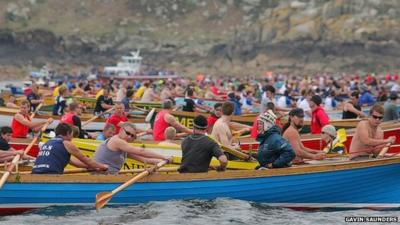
{"x":319,"y":118}
{"x":21,"y":123}
{"x":214,"y":116}
{"x":118,"y":117}
{"x":72,"y":118}
{"x":164,"y":119}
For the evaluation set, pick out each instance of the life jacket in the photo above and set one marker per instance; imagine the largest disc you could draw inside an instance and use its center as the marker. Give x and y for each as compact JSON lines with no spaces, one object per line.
{"x":19,"y":130}
{"x":68,"y":118}
{"x":159,"y":126}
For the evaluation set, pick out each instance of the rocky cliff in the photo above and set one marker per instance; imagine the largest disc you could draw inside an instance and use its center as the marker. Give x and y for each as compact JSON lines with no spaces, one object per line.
{"x":211,"y":36}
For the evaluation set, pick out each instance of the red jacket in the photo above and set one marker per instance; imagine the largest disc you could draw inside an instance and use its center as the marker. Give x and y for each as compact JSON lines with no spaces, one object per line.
{"x":319,"y":119}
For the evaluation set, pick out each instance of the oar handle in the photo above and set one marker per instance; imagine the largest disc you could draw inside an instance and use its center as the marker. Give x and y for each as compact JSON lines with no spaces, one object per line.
{"x":36,"y":110}
{"x":138,"y":108}
{"x":96,"y":116}
{"x":232,"y":151}
{"x":383,"y":151}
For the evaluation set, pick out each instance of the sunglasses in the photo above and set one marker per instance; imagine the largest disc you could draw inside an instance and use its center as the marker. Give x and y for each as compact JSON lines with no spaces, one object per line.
{"x":377,"y":117}
{"x":130,"y":134}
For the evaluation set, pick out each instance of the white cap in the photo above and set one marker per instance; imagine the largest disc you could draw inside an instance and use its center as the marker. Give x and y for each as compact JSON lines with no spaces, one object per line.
{"x":330,"y":130}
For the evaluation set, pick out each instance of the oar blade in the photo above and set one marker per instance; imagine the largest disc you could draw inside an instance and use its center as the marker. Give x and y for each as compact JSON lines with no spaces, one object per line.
{"x":4,"y":178}
{"x":102,"y":198}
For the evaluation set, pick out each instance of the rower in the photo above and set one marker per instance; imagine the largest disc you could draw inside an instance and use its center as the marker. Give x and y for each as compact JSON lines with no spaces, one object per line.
{"x":72,"y":118}
{"x":254,"y":129}
{"x":269,"y":96}
{"x":21,"y":122}
{"x":292,"y":135}
{"x":221,"y":131}
{"x":34,"y":97}
{"x":108,"y":132}
{"x":56,"y":153}
{"x":127,"y":99}
{"x":164,"y":119}
{"x":368,"y":138}
{"x":190,"y":105}
{"x":366,"y":98}
{"x":7,"y":153}
{"x":274,"y":151}
{"x":198,"y":150}
{"x":149,"y":94}
{"x":11,"y":102}
{"x":61,"y":101}
{"x":214,"y":116}
{"x":391,"y":108}
{"x":235,"y":99}
{"x":352,"y":109}
{"x":104,"y":102}
{"x":115,"y":150}
{"x":319,"y":118}
{"x":170,"y":135}
{"x":118,"y":117}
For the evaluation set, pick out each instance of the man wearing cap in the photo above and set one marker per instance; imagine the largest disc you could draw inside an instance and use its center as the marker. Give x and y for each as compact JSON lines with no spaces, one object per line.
{"x":198,"y":150}
{"x":334,"y":144}
{"x":319,"y":118}
{"x":368,"y":138}
{"x":164,"y":119}
{"x":391,"y":108}
{"x":274,"y":151}
{"x":291,"y":134}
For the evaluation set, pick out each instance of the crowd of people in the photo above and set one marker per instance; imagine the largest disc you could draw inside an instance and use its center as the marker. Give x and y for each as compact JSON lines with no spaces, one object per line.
{"x":273,"y":97}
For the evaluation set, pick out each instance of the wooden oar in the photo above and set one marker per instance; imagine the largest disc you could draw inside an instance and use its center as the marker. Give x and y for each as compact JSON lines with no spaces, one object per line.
{"x":232,"y":151}
{"x":95,"y":117}
{"x":140,"y":109}
{"x":103,"y":198}
{"x":150,"y":115}
{"x":383,"y":151}
{"x":5,"y":164}
{"x":18,"y":157}
{"x":36,"y":110}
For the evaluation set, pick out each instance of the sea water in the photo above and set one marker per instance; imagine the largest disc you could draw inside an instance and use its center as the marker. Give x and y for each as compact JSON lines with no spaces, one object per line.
{"x":196,"y":212}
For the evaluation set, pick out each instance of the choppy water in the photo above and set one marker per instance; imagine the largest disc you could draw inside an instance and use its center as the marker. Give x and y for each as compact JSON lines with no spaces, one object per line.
{"x":193,"y":212}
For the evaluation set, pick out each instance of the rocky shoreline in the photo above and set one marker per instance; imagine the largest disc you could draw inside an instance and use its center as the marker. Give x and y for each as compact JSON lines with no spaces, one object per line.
{"x":244,"y":37}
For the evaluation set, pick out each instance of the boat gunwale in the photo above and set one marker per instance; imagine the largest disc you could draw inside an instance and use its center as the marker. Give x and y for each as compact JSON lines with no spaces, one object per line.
{"x":211,"y":175}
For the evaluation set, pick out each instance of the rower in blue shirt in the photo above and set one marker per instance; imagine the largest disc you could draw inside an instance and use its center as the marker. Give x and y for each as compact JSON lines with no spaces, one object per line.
{"x":56,"y":153}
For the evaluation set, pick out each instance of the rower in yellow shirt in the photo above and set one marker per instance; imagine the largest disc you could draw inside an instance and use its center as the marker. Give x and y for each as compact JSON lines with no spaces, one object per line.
{"x":99,"y":93}
{"x":55,"y":91}
{"x":139,"y":92}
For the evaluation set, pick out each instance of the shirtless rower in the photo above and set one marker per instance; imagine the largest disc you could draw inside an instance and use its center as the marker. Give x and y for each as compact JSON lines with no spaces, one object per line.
{"x":368,"y":138}
{"x":291,"y":134}
{"x":222,"y":128}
